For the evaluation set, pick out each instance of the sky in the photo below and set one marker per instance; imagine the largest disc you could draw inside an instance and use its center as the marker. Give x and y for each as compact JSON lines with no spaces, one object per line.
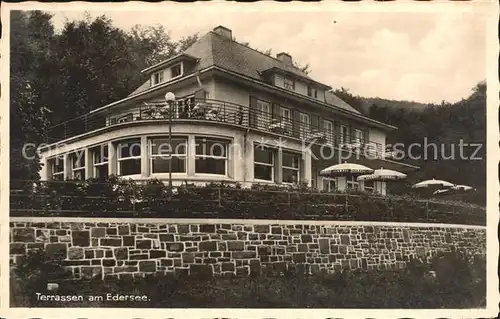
{"x":421,"y":56}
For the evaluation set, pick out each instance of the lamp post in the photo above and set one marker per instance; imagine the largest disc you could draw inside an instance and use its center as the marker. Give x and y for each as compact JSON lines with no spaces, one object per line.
{"x":170,"y":98}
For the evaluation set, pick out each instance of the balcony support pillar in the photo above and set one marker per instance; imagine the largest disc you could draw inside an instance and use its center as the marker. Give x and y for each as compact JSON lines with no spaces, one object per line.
{"x":89,"y":172}
{"x":191,"y":159}
{"x":112,"y":159}
{"x":144,"y":157}
{"x":307,"y":167}
{"x":67,"y":167}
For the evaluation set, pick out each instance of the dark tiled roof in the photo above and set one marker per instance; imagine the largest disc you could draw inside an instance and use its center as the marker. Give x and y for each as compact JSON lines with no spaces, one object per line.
{"x":215,"y":50}
{"x":332,"y":99}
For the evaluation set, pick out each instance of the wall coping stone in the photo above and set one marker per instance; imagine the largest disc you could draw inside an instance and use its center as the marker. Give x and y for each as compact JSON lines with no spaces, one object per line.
{"x":231,"y":221}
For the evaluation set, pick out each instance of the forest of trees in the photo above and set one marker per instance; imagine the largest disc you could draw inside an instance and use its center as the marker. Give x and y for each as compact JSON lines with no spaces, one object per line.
{"x":90,"y":63}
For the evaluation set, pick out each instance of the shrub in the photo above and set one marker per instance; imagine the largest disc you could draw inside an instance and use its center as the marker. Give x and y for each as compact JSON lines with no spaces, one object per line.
{"x":459,"y":282}
{"x":112,"y":195}
{"x":31,"y":275}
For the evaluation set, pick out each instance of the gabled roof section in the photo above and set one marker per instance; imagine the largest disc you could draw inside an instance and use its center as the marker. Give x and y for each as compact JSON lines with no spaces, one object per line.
{"x":332,"y":99}
{"x":276,"y":70}
{"x":213,"y":49}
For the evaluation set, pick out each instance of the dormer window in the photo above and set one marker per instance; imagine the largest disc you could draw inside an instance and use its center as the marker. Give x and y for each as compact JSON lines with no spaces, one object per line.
{"x":312,"y":92}
{"x":289,"y":84}
{"x":176,"y":71}
{"x":157,"y":78}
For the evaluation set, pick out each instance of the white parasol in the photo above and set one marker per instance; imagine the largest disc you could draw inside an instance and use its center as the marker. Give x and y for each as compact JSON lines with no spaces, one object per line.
{"x":462,"y":188}
{"x":433,"y":183}
{"x":345,"y":169}
{"x":382,"y":175}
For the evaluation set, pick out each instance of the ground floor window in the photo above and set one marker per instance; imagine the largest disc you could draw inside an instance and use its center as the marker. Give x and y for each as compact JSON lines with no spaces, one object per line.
{"x":369,"y":186}
{"x":329,"y":184}
{"x":129,"y":157}
{"x":78,"y":165}
{"x":290,"y":168}
{"x":56,"y":165}
{"x":352,"y":183}
{"x":162,"y":152}
{"x":211,"y":156}
{"x":100,"y":161}
{"x":263,"y":163}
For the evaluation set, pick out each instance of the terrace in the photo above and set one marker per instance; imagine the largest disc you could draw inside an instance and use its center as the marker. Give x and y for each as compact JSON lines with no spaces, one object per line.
{"x":114,"y":197}
{"x":209,"y":111}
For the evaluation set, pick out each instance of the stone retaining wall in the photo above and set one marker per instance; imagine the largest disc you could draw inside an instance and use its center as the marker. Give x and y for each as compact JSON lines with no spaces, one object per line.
{"x":119,"y":248}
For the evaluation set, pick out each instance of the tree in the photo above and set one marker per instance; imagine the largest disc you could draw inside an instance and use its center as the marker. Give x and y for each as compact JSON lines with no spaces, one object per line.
{"x":100,"y":63}
{"x":31,"y":63}
{"x":446,"y":126}
{"x":56,"y":77}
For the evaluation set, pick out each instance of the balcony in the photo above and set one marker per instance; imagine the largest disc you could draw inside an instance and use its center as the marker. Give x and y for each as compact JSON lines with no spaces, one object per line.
{"x":216,"y":111}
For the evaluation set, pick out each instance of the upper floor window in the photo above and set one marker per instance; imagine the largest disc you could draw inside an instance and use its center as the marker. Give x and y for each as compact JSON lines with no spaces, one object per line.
{"x":78,"y":165}
{"x":162,"y":152}
{"x":263,"y":114}
{"x":157,"y":78}
{"x":344,"y":134}
{"x":175,"y":71}
{"x":328,"y":125}
{"x":358,"y":136}
{"x":263,"y":158}
{"x":289,"y":84}
{"x":57,"y":167}
{"x":305,"y":126}
{"x":100,"y":161}
{"x":129,"y":157}
{"x":211,"y":156}
{"x":290,"y":166}
{"x":286,"y":117}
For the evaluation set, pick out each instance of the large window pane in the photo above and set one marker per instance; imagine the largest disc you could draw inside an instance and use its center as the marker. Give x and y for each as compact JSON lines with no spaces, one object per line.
{"x":130,"y":148}
{"x":290,"y":176}
{"x":160,"y":165}
{"x":263,"y":155}
{"x":100,"y":154}
{"x":163,"y":147}
{"x":130,"y":167}
{"x":79,"y":175}
{"x":211,"y":147}
{"x":78,"y":159}
{"x":291,"y":160}
{"x":58,"y":164}
{"x":101,"y":171}
{"x":209,"y":165}
{"x":263,"y":172}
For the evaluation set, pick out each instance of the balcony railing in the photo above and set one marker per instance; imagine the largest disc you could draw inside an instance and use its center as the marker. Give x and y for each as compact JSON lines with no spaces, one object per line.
{"x":217,"y":111}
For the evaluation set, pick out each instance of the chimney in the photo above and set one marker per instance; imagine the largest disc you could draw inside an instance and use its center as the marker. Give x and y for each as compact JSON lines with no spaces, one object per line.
{"x":223,"y":31}
{"x":285,"y":58}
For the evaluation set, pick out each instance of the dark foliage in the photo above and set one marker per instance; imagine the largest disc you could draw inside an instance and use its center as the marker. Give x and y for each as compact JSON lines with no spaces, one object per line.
{"x":452,"y":280}
{"x":115,"y":197}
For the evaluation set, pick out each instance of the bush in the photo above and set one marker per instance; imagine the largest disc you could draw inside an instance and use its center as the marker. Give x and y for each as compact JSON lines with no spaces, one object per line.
{"x":31,"y":275}
{"x":112,"y":196}
{"x":452,"y":280}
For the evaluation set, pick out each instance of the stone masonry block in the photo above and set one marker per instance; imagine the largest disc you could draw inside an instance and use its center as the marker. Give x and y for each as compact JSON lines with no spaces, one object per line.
{"x":208,"y":246}
{"x":80,"y":238}
{"x":75,"y":253}
{"x":235,"y":245}
{"x":25,"y":235}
